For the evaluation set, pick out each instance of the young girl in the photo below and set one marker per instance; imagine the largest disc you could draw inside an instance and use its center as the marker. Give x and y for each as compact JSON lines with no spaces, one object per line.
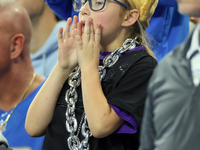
{"x":99,"y":104}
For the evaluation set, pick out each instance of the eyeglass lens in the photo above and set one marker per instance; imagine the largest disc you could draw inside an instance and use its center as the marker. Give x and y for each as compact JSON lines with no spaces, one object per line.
{"x":95,"y":5}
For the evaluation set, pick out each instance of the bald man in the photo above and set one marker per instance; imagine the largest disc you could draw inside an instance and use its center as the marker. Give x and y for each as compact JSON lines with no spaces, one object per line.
{"x":18,"y":82}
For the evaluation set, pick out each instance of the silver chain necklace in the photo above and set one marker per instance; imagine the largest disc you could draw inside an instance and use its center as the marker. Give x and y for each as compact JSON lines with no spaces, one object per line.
{"x":71,"y":97}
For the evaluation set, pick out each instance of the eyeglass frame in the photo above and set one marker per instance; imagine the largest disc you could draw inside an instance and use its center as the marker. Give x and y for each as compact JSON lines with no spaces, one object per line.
{"x":122,"y":4}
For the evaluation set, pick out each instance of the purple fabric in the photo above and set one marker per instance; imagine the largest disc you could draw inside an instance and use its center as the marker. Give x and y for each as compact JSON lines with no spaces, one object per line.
{"x":102,"y":55}
{"x":130,"y":126}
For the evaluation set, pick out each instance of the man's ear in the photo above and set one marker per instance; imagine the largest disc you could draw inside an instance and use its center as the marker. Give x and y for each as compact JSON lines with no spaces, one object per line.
{"x":131,"y":17}
{"x":17,"y":43}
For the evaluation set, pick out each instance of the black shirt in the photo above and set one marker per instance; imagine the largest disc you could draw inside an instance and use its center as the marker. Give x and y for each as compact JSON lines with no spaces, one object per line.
{"x":125,"y":87}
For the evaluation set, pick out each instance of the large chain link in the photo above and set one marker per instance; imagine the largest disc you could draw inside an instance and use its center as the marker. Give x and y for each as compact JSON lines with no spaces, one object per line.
{"x":71,"y":97}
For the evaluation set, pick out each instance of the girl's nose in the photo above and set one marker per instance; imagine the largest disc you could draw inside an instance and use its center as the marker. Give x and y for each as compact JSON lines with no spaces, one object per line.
{"x":85,"y":9}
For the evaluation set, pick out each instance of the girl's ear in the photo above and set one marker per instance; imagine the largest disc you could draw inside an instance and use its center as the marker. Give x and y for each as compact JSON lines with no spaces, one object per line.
{"x":131,"y":17}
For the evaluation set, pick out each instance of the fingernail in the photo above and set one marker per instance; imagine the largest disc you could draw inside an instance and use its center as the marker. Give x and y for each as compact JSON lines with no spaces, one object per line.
{"x":99,"y":25}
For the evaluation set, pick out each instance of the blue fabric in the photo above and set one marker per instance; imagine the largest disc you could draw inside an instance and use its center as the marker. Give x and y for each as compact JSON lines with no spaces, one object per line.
{"x":15,"y":132}
{"x":62,"y":8}
{"x":167,"y":27}
{"x":46,"y":57}
{"x":167,"y":3}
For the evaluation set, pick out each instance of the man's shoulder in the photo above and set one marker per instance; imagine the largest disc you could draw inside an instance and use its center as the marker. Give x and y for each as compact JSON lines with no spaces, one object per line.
{"x":168,"y":65}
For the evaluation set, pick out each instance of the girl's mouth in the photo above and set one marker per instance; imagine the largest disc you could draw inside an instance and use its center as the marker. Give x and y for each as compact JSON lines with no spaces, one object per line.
{"x":82,"y":26}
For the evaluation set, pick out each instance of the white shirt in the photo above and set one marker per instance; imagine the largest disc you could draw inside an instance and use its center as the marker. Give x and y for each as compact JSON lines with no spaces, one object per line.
{"x":193,"y":55}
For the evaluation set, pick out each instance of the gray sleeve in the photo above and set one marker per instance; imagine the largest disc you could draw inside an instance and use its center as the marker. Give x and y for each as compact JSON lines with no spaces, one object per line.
{"x":148,"y":131}
{"x":3,"y":143}
{"x":3,"y":140}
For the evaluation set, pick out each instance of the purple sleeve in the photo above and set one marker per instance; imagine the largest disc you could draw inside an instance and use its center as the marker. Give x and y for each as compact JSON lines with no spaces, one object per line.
{"x":130,"y":126}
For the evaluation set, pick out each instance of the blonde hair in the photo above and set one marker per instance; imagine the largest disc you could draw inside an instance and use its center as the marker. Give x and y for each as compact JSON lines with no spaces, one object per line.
{"x":139,"y":30}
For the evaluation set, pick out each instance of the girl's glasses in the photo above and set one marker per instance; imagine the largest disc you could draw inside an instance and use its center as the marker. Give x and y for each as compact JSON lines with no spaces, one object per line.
{"x":95,"y":5}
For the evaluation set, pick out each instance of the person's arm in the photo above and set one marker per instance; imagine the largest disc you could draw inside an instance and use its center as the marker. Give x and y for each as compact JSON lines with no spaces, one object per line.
{"x":129,"y":94}
{"x":41,"y":110}
{"x":148,"y":131}
{"x":101,"y":118}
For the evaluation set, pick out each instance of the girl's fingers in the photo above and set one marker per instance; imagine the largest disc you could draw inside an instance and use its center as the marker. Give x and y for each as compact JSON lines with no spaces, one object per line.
{"x":67,"y":28}
{"x":78,"y":40}
{"x":86,"y":34}
{"x":98,"y":34}
{"x":79,"y":28}
{"x":91,"y":30}
{"x":74,"y":24}
{"x":60,"y":35}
